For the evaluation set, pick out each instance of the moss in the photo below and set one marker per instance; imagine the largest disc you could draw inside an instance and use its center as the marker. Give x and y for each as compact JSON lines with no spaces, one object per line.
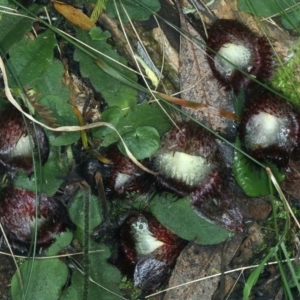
{"x":287,"y":77}
{"x":129,"y":289}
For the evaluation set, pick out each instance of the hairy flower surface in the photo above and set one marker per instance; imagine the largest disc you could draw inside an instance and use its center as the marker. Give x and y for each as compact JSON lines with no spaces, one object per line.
{"x":231,"y":48}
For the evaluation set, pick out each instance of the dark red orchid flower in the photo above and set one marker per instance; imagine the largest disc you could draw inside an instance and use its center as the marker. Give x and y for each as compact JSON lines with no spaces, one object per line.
{"x":232,"y":46}
{"x":22,"y":210}
{"x":190,"y":164}
{"x":20,"y":141}
{"x":270,"y":128}
{"x":147,"y":251}
{"x":120,"y":177}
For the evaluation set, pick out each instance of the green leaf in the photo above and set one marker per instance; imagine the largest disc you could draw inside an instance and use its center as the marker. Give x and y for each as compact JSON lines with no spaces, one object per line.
{"x":13,"y":28}
{"x":44,"y":74}
{"x":112,"y":115}
{"x":138,"y":116}
{"x":30,"y":59}
{"x":137,"y":10}
{"x":97,"y":34}
{"x":49,"y":177}
{"x":252,"y":279}
{"x":70,"y":293}
{"x":51,"y":83}
{"x":106,"y":275}
{"x":55,"y":96}
{"x":146,"y":114}
{"x":286,"y":8}
{"x":62,"y":110}
{"x":114,"y":92}
{"x":62,"y":240}
{"x":286,"y":77}
{"x":142,"y":142}
{"x":239,"y":103}
{"x":252,"y":178}
{"x":42,"y":279}
{"x":291,"y":20}
{"x":179,"y":217}
{"x":292,"y":282}
{"x":265,"y":8}
{"x":66,"y":138}
{"x":64,"y":115}
{"x":76,"y":212}
{"x":260,"y":8}
{"x":108,"y":136}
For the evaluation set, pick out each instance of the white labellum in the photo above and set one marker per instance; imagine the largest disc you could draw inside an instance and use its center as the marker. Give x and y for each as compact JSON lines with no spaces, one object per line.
{"x":145,"y":242}
{"x":23,"y":147}
{"x":264,"y":130}
{"x":181,"y":166}
{"x":121,"y":180}
{"x":238,"y":55}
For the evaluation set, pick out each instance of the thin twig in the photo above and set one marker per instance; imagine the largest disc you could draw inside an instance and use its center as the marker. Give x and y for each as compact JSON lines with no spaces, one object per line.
{"x":50,"y":257}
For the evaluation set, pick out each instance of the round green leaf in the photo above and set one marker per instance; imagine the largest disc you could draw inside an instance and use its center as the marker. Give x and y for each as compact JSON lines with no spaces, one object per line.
{"x":179,"y":217}
{"x":49,"y":177}
{"x":265,"y":8}
{"x":137,"y":10}
{"x":13,"y":28}
{"x":62,"y":240}
{"x":97,"y":34}
{"x":142,"y":142}
{"x":113,"y":91}
{"x":106,"y":276}
{"x":31,"y":59}
{"x":42,"y":279}
{"x":70,"y":294}
{"x":108,"y":136}
{"x":252,"y":178}
{"x":64,"y":116}
{"x":144,"y":114}
{"x":286,"y":8}
{"x":112,"y":115}
{"x":291,"y":20}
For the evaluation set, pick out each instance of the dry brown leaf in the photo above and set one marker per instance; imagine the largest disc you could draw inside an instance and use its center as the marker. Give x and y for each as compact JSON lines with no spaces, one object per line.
{"x":73,"y":15}
{"x":197,"y":83}
{"x":198,"y":262}
{"x":291,"y":187}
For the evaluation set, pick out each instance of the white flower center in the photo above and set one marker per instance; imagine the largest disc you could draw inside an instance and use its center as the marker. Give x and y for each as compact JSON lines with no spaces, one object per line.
{"x":181,"y":166}
{"x":264,"y":130}
{"x":145,"y":242}
{"x":23,"y":147}
{"x":238,"y":55}
{"x":121,"y":180}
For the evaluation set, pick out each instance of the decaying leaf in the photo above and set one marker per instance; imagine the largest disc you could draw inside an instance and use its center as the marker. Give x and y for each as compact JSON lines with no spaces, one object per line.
{"x":196,"y":262}
{"x":73,"y":15}
{"x":291,"y":187}
{"x":197,"y":83}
